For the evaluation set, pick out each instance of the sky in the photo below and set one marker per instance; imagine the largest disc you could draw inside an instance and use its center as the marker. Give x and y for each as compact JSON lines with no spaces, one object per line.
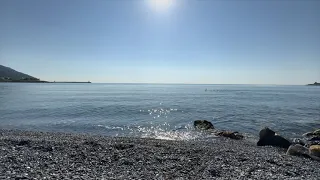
{"x":163,"y":41}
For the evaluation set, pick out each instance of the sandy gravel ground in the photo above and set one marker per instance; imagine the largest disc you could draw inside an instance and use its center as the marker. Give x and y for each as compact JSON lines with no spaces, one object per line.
{"x":40,"y":155}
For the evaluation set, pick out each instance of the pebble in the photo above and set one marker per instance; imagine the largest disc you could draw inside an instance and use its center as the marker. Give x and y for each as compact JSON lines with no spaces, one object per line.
{"x":97,"y":157}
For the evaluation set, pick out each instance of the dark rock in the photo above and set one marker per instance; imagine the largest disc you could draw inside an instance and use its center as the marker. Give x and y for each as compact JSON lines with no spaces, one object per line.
{"x":277,"y":141}
{"x":298,"y":150}
{"x":313,"y":141}
{"x":316,"y":138}
{"x":232,"y":135}
{"x":266,"y":132}
{"x":269,"y":138}
{"x":203,"y":125}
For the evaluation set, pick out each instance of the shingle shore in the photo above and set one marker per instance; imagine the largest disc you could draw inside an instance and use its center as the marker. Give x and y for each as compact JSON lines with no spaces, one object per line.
{"x":43,"y":155}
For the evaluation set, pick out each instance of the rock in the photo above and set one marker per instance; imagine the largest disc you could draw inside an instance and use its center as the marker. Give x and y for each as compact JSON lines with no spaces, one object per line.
{"x":308,"y":134}
{"x":203,"y":125}
{"x":314,"y":150}
{"x":269,"y":138}
{"x":299,"y":141}
{"x":316,"y":138}
{"x":298,"y":150}
{"x":266,"y":132}
{"x":232,"y":135}
{"x":316,"y":132}
{"x":313,"y":141}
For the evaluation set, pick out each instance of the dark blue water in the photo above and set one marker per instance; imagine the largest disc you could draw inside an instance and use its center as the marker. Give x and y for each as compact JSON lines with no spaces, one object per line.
{"x":158,"y":110}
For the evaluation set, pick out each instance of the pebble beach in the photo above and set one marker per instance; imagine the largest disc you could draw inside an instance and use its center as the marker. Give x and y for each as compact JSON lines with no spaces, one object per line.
{"x":47,"y":155}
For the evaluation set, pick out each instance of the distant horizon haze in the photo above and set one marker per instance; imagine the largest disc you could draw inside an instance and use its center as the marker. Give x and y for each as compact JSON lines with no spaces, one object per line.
{"x":171,"y":41}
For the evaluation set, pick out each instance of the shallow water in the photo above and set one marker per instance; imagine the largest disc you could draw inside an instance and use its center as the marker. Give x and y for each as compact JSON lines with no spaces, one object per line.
{"x":158,"y":110}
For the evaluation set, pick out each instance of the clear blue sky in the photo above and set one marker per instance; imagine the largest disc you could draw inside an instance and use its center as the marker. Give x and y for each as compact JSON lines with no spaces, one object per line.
{"x":188,"y":41}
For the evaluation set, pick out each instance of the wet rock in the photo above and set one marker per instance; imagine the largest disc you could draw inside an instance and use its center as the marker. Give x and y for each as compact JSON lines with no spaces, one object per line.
{"x":313,"y":141}
{"x":269,"y":138}
{"x":232,"y":135}
{"x":299,"y":141}
{"x":203,"y":125}
{"x":314,"y":133}
{"x":308,"y":134}
{"x":266,"y":132}
{"x":298,"y":150}
{"x":314,"y":150}
{"x":317,"y":138}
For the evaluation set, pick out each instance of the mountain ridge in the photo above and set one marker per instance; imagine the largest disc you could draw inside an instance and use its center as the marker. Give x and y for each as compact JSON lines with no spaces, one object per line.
{"x":9,"y":73}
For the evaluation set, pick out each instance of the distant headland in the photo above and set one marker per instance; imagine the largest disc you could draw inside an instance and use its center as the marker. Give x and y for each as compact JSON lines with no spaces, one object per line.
{"x":12,"y":76}
{"x":314,"y":84}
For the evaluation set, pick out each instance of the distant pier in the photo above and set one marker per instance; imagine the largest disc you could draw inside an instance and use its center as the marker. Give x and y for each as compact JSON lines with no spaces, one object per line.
{"x":71,"y":82}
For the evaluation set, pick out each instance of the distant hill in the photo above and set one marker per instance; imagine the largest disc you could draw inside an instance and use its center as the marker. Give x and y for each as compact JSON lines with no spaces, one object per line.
{"x":314,"y":84}
{"x":8,"y":73}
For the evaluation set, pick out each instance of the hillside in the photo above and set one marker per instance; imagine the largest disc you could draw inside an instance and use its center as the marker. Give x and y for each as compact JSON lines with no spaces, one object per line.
{"x":8,"y":73}
{"x":314,"y":84}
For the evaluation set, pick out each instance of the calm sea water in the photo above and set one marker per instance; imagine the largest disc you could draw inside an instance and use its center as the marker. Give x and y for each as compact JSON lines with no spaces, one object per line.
{"x":158,"y":110}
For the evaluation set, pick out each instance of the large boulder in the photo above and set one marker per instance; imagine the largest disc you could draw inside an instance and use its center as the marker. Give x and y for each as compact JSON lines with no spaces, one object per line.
{"x":203,"y":125}
{"x":266,"y":132}
{"x":298,"y":150}
{"x":314,"y":150}
{"x":269,"y":138}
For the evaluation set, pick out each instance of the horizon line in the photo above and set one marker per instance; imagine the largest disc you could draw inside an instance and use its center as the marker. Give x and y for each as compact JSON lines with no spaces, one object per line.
{"x":194,"y":83}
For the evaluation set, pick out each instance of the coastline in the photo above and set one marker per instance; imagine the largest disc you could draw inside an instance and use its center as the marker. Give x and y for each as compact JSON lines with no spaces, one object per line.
{"x":42,"y":82}
{"x":26,"y":154}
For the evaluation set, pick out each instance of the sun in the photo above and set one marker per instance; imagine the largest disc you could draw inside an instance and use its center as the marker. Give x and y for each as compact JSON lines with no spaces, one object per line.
{"x":160,"y":5}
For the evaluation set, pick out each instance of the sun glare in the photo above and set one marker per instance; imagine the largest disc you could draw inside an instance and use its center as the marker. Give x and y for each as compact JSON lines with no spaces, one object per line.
{"x":161,"y":5}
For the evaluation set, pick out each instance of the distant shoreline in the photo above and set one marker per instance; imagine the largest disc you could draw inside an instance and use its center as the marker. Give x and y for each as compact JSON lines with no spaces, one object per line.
{"x":314,"y":84}
{"x":18,"y":81}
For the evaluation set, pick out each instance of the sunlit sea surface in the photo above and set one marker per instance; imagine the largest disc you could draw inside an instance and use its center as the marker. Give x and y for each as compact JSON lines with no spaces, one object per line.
{"x":162,"y":111}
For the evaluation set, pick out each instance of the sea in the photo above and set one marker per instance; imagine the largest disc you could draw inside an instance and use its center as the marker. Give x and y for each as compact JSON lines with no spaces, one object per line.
{"x":160,"y":111}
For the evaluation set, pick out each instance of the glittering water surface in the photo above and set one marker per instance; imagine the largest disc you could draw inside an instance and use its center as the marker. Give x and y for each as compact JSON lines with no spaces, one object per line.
{"x":158,"y":110}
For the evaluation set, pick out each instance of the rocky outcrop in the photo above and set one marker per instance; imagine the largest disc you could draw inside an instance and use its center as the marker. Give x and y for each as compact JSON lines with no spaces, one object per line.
{"x":232,"y":135}
{"x":208,"y":126}
{"x":269,"y":138}
{"x":203,"y":125}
